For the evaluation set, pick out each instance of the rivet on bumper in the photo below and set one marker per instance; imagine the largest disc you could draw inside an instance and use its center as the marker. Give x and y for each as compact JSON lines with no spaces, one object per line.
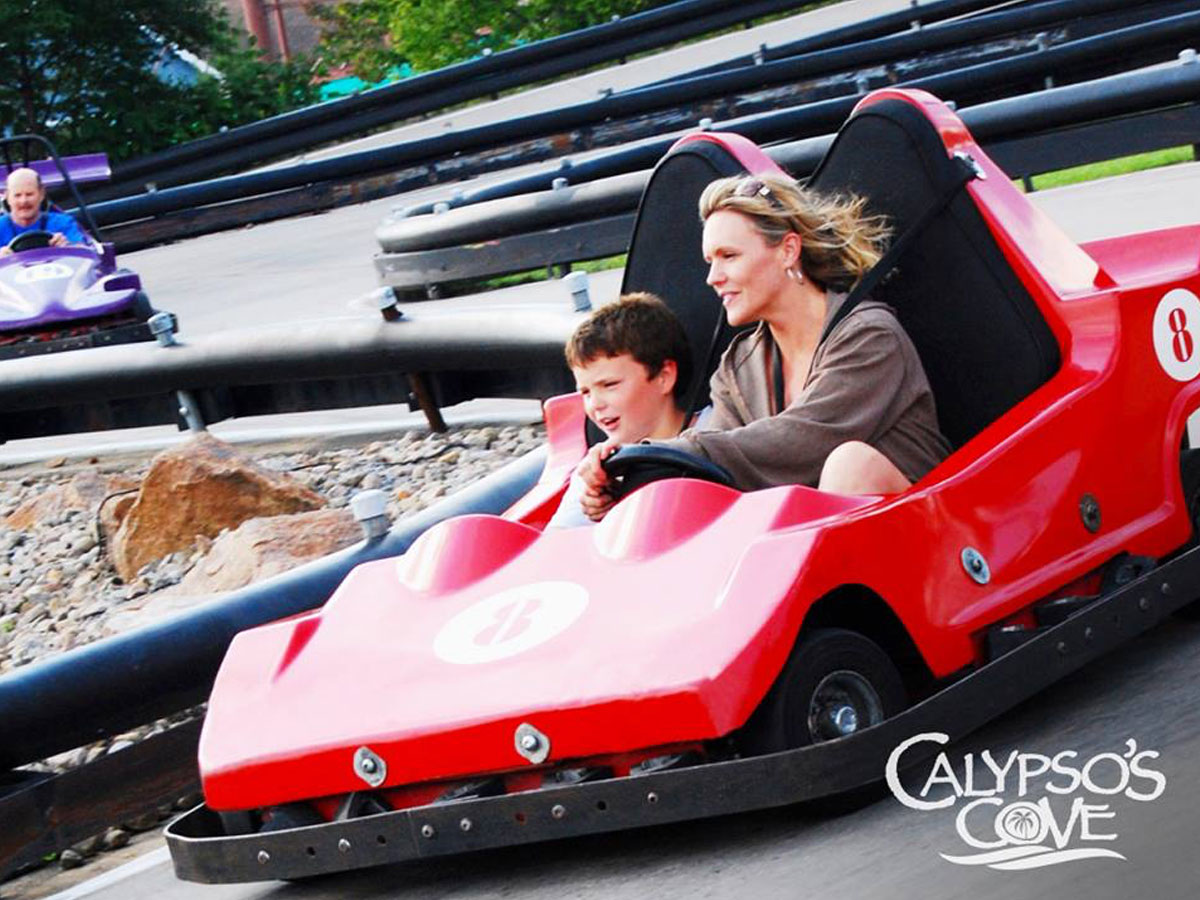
{"x":369,"y":766}
{"x":976,"y":566}
{"x":531,"y":743}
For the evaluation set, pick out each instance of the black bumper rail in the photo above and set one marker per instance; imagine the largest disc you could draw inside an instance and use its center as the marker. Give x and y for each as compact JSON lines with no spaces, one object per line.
{"x":202,"y":852}
{"x":131,"y":333}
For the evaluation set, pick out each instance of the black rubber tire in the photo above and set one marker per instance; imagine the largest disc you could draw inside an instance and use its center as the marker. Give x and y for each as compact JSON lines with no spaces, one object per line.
{"x":781,"y":721}
{"x":1189,"y":466}
{"x":142,"y":310}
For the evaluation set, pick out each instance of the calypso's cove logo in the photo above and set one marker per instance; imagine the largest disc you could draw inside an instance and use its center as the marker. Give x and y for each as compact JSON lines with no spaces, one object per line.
{"x":1008,"y":816}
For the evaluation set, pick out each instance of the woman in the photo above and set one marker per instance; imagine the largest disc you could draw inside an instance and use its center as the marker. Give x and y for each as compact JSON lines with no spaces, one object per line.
{"x":850,"y":411}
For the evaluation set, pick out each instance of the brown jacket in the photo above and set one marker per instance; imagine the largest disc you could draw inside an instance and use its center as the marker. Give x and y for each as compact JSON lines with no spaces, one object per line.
{"x":866,"y":384}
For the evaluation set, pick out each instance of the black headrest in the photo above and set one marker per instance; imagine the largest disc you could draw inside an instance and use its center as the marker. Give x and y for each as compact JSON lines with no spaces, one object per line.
{"x":665,"y":255}
{"x":983,"y":341}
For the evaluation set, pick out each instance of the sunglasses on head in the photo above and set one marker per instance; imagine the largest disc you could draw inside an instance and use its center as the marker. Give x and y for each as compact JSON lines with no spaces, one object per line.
{"x":756,"y":187}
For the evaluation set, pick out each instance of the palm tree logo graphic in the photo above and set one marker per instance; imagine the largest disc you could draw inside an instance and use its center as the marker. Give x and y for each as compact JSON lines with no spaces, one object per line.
{"x":1022,"y":823}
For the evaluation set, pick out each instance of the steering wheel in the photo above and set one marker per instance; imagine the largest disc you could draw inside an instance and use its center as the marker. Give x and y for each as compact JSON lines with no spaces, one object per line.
{"x":637,"y":464}
{"x":30,"y":240}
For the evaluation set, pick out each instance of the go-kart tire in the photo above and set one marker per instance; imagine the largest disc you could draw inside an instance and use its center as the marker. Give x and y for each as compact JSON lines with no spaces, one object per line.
{"x":834,"y":683}
{"x":1189,"y":470}
{"x":141,"y":307}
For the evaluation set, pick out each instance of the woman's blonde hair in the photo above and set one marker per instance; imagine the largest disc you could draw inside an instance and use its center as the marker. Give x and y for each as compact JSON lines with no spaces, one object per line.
{"x":840,"y":242}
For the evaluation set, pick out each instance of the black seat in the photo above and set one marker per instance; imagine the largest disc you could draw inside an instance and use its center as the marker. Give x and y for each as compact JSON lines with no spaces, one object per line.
{"x":984,"y":343}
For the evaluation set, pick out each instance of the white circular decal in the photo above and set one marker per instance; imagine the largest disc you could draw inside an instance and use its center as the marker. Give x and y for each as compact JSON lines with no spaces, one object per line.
{"x":510,"y":622}
{"x":1177,"y":334}
{"x":42,"y":272}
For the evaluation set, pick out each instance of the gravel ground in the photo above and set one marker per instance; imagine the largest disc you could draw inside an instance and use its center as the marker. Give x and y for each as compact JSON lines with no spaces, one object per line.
{"x":58,"y":590}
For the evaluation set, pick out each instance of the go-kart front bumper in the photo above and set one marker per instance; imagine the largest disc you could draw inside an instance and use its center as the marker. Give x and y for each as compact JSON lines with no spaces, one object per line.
{"x":132,"y":333}
{"x":203,"y":852}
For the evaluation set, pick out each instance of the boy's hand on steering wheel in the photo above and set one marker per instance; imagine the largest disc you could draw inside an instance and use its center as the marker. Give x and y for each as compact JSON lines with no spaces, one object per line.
{"x":596,"y":500}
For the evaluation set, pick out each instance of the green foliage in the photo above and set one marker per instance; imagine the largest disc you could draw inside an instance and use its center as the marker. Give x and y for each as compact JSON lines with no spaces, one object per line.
{"x":82,"y":72}
{"x":374,"y":35}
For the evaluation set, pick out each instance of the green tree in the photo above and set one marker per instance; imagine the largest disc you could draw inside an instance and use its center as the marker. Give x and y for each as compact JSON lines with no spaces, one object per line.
{"x":373,"y":35}
{"x":83,"y":72}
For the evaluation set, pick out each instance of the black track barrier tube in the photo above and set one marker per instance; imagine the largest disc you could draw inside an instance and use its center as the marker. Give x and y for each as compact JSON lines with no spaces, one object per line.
{"x":282,"y":353}
{"x":823,"y":116}
{"x":867,"y":30}
{"x":1010,"y":117}
{"x":513,"y":215}
{"x":904,"y":46}
{"x":298,"y":130}
{"x":116,"y":683}
{"x":268,"y":141}
{"x":813,"y":118}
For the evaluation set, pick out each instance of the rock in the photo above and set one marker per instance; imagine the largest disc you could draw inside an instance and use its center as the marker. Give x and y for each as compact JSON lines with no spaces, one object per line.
{"x":255,"y":550}
{"x":70,"y":859}
{"x":89,"y":847}
{"x":264,"y":547}
{"x":113,"y":513}
{"x":200,"y":488}
{"x":85,"y":492}
{"x":144,"y":822}
{"x":114,"y":839}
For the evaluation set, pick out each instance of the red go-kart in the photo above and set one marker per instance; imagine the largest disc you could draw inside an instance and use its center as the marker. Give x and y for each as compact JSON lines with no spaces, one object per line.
{"x":705,"y":651}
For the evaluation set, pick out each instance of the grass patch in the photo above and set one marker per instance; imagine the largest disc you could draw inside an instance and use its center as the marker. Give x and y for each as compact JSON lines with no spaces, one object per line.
{"x":1110,"y":167}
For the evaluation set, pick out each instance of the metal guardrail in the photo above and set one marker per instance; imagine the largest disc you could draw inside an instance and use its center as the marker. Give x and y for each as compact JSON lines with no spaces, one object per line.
{"x":293,"y":132}
{"x":1054,"y":129}
{"x":354,"y":177}
{"x":289,"y":367}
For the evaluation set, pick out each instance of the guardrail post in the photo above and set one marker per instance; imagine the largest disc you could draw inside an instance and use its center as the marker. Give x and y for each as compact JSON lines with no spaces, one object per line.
{"x":1187,"y":57}
{"x":189,"y":409}
{"x":420,"y":389}
{"x":1043,"y":44}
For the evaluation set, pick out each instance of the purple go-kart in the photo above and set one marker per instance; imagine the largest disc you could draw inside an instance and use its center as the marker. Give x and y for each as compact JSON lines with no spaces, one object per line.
{"x":72,"y":297}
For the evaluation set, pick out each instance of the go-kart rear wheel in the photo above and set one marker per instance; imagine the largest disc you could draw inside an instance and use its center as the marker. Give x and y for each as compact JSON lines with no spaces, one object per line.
{"x":1189,"y":466}
{"x":142,"y":309}
{"x":835,"y":682}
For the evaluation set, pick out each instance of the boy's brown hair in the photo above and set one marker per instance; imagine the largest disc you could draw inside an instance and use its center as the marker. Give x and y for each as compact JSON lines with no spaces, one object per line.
{"x":641,"y":325}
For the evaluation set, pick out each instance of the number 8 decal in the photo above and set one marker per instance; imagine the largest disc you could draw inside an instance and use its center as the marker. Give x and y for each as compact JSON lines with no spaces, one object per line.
{"x":1175,"y":321}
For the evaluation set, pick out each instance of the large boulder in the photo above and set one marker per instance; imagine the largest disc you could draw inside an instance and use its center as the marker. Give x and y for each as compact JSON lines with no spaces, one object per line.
{"x":200,"y":488}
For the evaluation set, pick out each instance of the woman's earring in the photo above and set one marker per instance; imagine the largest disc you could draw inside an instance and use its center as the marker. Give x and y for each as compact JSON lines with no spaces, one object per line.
{"x":796,"y":275}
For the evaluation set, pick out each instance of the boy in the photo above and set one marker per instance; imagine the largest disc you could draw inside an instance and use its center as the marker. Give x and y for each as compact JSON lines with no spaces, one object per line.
{"x":632,"y":365}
